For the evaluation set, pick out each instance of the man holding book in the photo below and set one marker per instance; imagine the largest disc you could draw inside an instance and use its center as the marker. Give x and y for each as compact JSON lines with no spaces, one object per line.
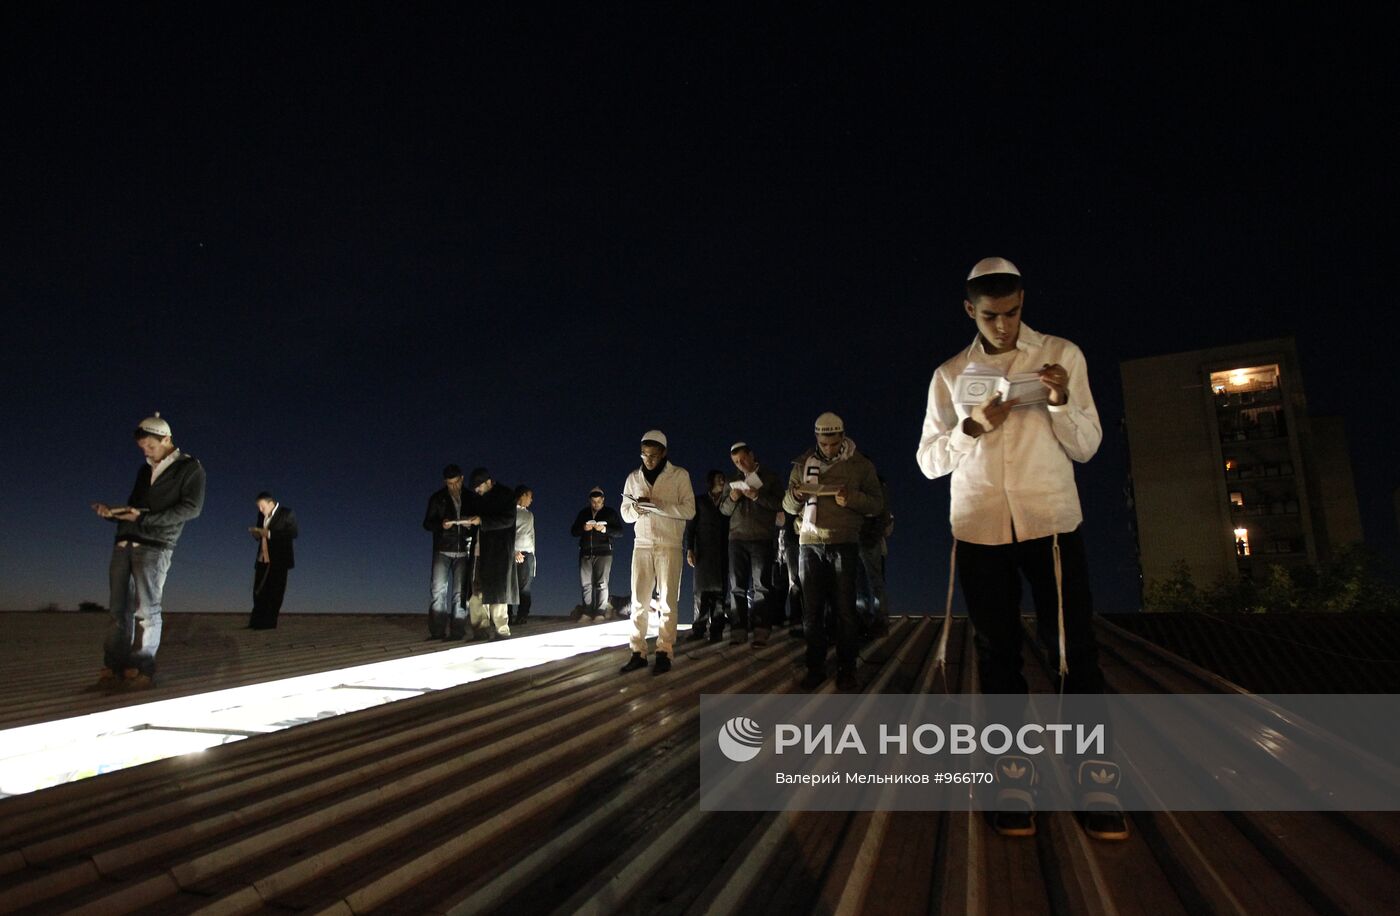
{"x":1007,"y":417}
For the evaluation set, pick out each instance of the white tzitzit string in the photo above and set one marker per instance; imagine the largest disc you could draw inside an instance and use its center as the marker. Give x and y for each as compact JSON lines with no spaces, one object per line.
{"x":940,"y":657}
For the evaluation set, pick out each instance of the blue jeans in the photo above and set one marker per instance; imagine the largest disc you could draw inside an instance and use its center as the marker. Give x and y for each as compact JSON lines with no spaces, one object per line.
{"x":870,"y":583}
{"x":829,"y":575}
{"x":449,"y":578}
{"x":137,"y":579}
{"x":750,"y":572}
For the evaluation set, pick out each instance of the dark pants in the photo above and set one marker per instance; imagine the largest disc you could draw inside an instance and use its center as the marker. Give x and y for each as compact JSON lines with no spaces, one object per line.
{"x":269,"y":587}
{"x":870,"y":583}
{"x":750,"y":582}
{"x":991,"y":584}
{"x":709,"y":610}
{"x":593,"y":575}
{"x":524,"y":575}
{"x":829,"y":575}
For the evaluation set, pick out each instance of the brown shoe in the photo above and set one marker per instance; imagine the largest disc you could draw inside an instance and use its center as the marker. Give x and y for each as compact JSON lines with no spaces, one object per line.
{"x":133,"y":679}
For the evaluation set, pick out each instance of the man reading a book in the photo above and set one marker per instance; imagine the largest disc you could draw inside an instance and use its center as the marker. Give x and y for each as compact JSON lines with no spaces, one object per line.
{"x":1015,"y":508}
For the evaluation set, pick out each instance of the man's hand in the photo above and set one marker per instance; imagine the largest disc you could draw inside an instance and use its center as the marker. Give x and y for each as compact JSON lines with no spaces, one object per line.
{"x":589,"y":526}
{"x":125,"y":514}
{"x":690,"y":558}
{"x":448,"y":523}
{"x":102,"y":509}
{"x":734,"y":494}
{"x":1056,"y":380}
{"x":472,"y":521}
{"x":988,"y":415}
{"x":519,"y":557}
{"x":841,"y":496}
{"x":258,"y":532}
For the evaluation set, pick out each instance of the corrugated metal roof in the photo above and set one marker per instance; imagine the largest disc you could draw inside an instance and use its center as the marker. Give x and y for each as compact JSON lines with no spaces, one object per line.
{"x":567,"y":789}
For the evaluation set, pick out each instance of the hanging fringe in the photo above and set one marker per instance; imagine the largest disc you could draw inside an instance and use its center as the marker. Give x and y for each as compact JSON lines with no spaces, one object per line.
{"x":1060,"y":609}
{"x":940,"y":657}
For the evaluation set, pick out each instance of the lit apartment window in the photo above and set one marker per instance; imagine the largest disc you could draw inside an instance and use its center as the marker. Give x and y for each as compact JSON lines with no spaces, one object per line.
{"x":1237,"y":499}
{"x":1252,"y":378}
{"x":1242,"y":542}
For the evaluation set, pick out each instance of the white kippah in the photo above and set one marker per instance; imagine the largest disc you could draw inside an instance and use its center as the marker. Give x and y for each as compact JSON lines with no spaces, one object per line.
{"x":992,"y":266}
{"x":655,"y":435}
{"x":829,"y":424}
{"x":736,"y":446}
{"x":154,"y":425}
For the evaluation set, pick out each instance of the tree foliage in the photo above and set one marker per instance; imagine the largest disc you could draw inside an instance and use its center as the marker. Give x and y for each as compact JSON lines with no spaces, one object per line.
{"x":1352,"y":580}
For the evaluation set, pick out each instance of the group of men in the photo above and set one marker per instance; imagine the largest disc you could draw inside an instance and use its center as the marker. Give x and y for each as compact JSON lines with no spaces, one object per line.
{"x":483,"y":556}
{"x":1015,"y":513}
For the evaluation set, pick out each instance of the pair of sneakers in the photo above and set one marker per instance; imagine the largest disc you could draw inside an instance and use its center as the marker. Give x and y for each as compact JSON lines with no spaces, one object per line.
{"x":1097,"y":781}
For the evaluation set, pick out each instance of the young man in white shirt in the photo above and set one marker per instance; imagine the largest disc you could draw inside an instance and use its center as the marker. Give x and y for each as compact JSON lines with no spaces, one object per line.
{"x":1015,"y":509}
{"x":658,"y":499}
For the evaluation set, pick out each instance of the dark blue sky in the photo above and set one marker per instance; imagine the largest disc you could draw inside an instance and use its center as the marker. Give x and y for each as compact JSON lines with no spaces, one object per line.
{"x":339,"y":247}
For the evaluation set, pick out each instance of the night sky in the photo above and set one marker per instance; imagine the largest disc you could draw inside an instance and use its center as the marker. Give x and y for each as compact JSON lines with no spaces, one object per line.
{"x":340,"y":247}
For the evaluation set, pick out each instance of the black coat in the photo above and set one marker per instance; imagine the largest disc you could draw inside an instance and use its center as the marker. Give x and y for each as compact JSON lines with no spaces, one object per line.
{"x":708,"y":535}
{"x":496,"y":566}
{"x":283,"y":531}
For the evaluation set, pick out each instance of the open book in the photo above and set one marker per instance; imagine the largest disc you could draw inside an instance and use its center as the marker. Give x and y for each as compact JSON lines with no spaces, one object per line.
{"x":978,"y":383}
{"x":814,"y":488}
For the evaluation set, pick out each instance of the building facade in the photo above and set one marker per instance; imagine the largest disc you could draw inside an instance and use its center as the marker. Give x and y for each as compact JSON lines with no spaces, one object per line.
{"x":1227,"y":470}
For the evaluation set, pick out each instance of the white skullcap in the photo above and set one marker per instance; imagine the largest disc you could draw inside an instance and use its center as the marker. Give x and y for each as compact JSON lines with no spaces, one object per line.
{"x":736,"y":446}
{"x":655,"y":435}
{"x":992,"y":266}
{"x":154,"y":425}
{"x":829,"y":424}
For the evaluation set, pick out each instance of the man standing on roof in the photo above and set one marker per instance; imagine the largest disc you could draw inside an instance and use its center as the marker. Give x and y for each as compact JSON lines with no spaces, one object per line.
{"x":275,"y":531}
{"x":454,"y":541}
{"x":168,"y":492}
{"x":707,"y":553}
{"x":753,"y":502}
{"x":832,"y":489}
{"x":1015,"y":510}
{"x":495,"y":507}
{"x":658,"y":498}
{"x":524,"y":554}
{"x":596,"y":526}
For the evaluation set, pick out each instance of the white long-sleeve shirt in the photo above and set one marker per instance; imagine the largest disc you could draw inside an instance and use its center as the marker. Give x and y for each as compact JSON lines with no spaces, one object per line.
{"x":1020,"y":474}
{"x":675,"y":504}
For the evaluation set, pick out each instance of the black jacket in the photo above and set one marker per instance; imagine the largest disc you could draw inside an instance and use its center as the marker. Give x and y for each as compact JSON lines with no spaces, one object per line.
{"x":282,"y":531}
{"x":176,"y":497}
{"x":591,"y":543}
{"x":458,"y":538}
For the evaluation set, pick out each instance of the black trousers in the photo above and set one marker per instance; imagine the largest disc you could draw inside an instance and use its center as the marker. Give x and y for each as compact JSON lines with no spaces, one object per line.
{"x":829,"y":576}
{"x":991,"y":584}
{"x":593,"y":575}
{"x":524,"y":575}
{"x":709,"y":608}
{"x":269,"y":588}
{"x":750,"y":573}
